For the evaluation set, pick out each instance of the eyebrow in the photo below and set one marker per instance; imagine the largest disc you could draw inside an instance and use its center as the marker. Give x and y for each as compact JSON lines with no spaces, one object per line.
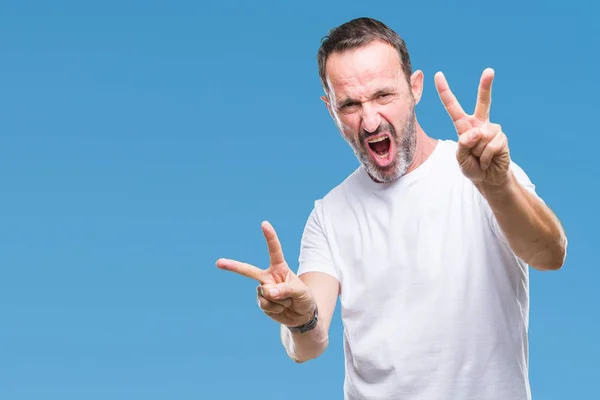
{"x":384,"y":90}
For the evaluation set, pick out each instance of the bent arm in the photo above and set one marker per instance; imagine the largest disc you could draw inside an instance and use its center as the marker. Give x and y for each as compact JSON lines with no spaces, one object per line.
{"x":532,"y":230}
{"x":302,"y":347}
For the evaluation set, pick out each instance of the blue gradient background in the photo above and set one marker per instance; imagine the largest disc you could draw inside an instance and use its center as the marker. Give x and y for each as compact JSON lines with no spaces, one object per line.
{"x":140,"y":141}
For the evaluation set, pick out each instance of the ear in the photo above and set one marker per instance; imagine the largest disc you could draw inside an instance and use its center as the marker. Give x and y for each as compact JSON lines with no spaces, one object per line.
{"x":328,"y":105}
{"x":332,"y":115}
{"x":416,"y":83}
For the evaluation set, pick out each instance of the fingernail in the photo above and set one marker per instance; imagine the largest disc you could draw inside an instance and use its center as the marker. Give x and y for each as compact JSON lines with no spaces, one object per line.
{"x":273,"y":292}
{"x":474,"y":135}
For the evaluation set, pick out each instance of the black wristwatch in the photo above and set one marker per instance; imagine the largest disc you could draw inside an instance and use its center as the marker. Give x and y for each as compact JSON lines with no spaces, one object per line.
{"x":310,"y":325}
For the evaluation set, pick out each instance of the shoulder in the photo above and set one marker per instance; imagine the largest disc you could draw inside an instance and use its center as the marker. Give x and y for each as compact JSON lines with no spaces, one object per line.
{"x":444,"y":154}
{"x":341,"y":193}
{"x":447,"y":158}
{"x":443,"y":162}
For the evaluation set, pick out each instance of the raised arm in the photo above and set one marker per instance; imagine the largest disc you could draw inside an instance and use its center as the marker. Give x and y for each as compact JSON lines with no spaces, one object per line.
{"x":532,"y":230}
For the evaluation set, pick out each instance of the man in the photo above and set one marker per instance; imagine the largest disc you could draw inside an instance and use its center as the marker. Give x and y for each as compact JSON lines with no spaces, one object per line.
{"x":427,"y":243}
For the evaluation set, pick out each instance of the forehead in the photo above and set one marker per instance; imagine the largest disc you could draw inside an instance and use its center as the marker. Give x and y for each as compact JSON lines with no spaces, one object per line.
{"x":358,"y":71}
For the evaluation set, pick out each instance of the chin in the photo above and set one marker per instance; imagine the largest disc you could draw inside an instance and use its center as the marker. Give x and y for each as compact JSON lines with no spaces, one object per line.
{"x":394,"y":171}
{"x":388,"y":174}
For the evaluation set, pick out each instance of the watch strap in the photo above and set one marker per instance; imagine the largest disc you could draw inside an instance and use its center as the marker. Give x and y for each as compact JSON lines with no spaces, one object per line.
{"x":310,"y":325}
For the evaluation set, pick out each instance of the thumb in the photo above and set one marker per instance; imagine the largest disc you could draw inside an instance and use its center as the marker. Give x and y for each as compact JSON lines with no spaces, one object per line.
{"x":466,"y":142}
{"x":295,"y":289}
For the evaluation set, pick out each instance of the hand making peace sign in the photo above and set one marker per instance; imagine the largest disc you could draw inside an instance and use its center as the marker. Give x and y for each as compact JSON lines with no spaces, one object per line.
{"x":281,"y":294}
{"x":483,"y":153}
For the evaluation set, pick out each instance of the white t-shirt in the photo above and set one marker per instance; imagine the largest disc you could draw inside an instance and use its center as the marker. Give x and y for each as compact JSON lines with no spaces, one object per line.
{"x":434,"y":304}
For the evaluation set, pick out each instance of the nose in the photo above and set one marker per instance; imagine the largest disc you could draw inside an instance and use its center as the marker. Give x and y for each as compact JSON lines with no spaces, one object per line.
{"x":370,"y":118}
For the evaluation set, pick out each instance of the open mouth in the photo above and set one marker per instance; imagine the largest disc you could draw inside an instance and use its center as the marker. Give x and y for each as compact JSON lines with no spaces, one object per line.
{"x":381,"y":149}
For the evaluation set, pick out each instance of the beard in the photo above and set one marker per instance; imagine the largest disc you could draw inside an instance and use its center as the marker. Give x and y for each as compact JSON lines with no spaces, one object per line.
{"x":405,"y":145}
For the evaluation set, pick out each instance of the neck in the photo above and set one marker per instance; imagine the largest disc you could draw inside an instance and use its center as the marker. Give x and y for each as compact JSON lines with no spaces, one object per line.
{"x":424,"y":147}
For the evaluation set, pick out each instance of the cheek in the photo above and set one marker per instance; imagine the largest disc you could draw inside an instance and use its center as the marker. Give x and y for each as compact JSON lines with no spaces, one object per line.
{"x":348,"y":124}
{"x":396,"y":115}
{"x":393,"y":111}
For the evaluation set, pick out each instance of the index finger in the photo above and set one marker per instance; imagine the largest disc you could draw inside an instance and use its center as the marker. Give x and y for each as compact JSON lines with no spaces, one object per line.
{"x":449,"y":101}
{"x":484,"y":95}
{"x":247,"y":270}
{"x":275,"y":251}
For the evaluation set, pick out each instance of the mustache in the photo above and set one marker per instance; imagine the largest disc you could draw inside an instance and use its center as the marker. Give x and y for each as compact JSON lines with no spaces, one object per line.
{"x":380,"y":129}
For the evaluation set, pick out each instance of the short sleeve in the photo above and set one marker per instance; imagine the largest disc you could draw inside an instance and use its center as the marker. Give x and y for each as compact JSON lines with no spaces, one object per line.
{"x":524,"y":180}
{"x":315,"y":252}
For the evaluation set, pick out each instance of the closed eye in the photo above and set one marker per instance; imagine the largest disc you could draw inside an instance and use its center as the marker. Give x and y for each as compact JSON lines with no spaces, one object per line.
{"x":385,"y":97}
{"x":348,"y":106}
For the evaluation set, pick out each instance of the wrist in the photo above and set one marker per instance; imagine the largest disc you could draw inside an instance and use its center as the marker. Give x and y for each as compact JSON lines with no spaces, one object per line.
{"x":499,"y":192}
{"x":309,"y":324}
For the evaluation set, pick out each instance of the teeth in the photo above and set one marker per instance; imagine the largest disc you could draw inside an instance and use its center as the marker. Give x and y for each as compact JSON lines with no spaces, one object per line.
{"x":377,"y":139}
{"x":384,"y":156}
